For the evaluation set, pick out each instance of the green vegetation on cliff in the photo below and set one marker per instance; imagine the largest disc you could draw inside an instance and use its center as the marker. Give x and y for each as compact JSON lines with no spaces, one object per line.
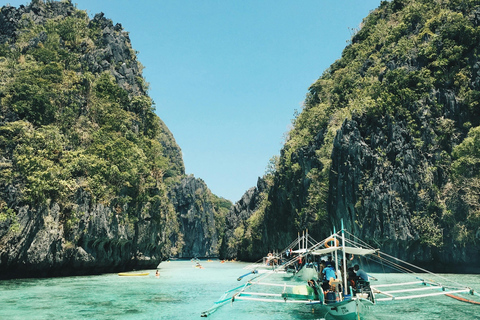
{"x":75,"y":117}
{"x":388,"y":136}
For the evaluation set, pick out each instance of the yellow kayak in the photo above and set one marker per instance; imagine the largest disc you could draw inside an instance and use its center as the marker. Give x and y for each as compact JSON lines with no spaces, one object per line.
{"x":125,"y":274}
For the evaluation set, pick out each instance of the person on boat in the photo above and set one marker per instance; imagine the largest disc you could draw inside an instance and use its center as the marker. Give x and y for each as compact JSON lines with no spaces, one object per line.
{"x":298,"y":263}
{"x":329,"y":262}
{"x":328,"y":274}
{"x":351,"y":277}
{"x":269,"y":258}
{"x":362,"y":283}
{"x":362,"y":275}
{"x":313,"y":284}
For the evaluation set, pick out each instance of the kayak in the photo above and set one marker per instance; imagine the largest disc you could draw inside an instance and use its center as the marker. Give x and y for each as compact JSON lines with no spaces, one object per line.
{"x":125,"y":274}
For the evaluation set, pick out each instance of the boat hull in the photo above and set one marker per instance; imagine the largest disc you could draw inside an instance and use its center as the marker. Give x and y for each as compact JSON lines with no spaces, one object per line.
{"x":346,"y":310}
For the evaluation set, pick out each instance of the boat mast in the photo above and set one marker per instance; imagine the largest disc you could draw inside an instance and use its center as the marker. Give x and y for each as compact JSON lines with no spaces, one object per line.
{"x":336,"y":256}
{"x":306,"y":239}
{"x":299,"y":247}
{"x":345,"y":290}
{"x":303,"y":238}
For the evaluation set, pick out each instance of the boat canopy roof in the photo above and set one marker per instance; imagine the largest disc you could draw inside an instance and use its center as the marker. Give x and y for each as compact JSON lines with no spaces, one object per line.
{"x":349,"y":250}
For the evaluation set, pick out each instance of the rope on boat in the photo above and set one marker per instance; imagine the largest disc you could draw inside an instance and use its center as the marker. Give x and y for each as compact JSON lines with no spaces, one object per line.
{"x":401,"y":268}
{"x":462,"y":299}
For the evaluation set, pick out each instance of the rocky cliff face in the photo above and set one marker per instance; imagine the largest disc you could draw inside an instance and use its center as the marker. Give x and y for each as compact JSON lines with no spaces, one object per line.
{"x":385,"y":142}
{"x":197,"y":218}
{"x":96,"y":186}
{"x":100,"y":241}
{"x":378,"y":195}
{"x":236,"y":223}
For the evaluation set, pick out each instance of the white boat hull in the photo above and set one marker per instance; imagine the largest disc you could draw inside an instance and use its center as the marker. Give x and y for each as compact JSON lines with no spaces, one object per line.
{"x":346,"y":310}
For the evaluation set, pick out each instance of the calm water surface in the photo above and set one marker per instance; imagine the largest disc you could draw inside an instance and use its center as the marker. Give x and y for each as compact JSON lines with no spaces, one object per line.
{"x":183,"y":292}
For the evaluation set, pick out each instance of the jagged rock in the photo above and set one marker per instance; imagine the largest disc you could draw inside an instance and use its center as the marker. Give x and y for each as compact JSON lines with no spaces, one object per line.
{"x":237,"y":217}
{"x":196,"y":215}
{"x":109,"y":54}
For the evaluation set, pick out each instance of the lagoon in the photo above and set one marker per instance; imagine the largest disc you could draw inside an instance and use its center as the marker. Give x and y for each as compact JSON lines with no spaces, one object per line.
{"x":183,"y":292}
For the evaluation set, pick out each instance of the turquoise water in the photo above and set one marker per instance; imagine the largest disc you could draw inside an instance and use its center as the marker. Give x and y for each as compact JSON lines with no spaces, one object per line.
{"x":183,"y":292}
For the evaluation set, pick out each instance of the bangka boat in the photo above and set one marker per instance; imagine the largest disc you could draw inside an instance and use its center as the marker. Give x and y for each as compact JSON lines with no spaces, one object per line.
{"x":345,"y":296}
{"x":290,"y":260}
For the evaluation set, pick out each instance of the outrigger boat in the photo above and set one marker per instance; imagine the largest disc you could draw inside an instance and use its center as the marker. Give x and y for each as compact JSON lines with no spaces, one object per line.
{"x":341,"y":298}
{"x":290,"y":259}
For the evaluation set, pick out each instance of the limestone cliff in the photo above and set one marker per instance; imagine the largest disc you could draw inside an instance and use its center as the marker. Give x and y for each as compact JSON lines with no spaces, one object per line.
{"x":201,"y":218}
{"x":387,"y":141}
{"x":236,"y":224}
{"x":90,"y":177}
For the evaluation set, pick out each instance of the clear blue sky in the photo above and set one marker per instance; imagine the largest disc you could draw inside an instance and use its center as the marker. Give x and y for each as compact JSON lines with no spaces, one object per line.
{"x":227,"y":75}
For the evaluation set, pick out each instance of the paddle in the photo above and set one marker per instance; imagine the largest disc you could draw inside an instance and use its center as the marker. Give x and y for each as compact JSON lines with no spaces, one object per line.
{"x":246,"y":274}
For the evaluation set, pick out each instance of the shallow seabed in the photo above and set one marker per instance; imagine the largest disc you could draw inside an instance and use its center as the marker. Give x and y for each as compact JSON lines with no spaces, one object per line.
{"x":183,"y":292}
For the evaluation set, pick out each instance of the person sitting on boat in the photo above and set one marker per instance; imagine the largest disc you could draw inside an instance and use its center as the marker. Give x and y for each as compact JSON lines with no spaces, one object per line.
{"x":362,"y":283}
{"x":351,"y":277}
{"x":362,"y":275}
{"x":313,"y":284}
{"x":269,"y":258}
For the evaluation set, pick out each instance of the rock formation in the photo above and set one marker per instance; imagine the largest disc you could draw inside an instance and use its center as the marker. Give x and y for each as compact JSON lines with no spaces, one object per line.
{"x":91,"y":180}
{"x":197,"y":218}
{"x":385,"y":141}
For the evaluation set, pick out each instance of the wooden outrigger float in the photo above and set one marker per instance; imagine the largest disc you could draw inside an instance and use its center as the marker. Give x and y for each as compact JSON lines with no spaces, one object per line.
{"x":339,"y":298}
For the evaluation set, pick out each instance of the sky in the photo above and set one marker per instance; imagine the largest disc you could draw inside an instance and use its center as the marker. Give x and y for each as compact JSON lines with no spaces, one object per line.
{"x":227,"y":76}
